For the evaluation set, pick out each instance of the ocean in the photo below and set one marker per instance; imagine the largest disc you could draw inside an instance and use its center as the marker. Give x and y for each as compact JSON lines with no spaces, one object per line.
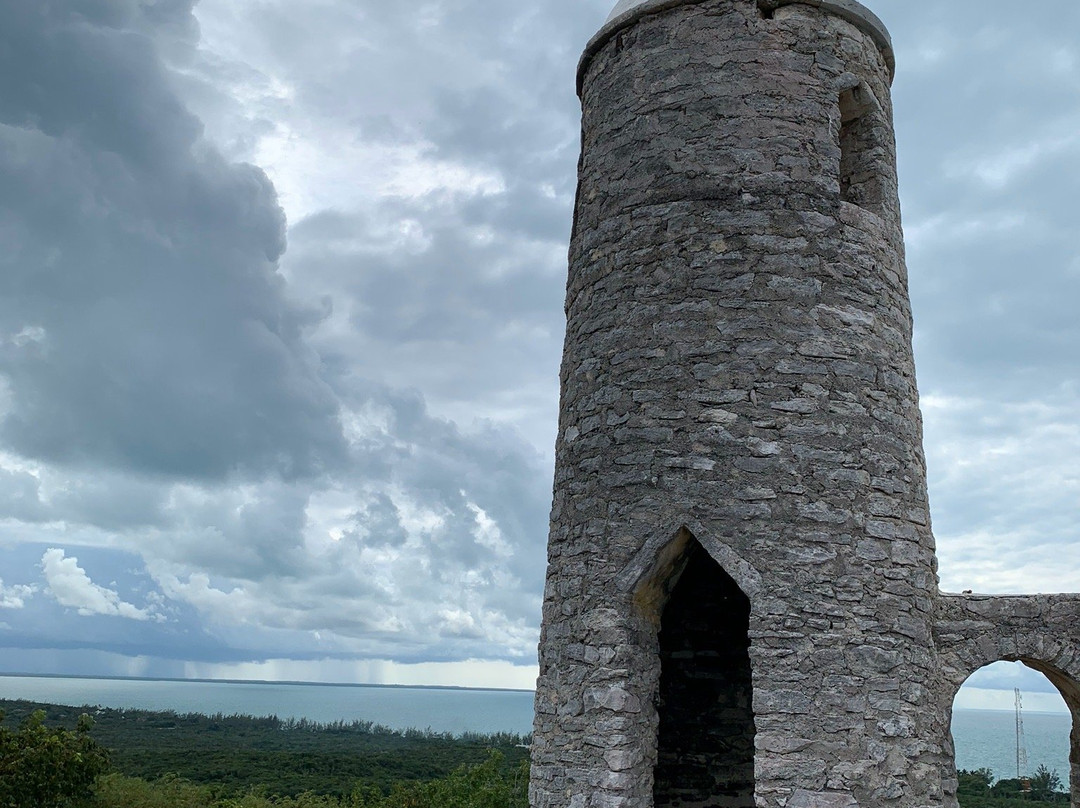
{"x":987,"y":739}
{"x":984,"y":738}
{"x":441,"y":709}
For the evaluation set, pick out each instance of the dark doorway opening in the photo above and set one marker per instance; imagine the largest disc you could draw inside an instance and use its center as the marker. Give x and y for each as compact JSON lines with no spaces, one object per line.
{"x":705,"y":744}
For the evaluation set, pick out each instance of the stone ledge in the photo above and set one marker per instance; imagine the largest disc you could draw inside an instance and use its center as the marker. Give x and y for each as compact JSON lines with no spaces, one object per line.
{"x":627,"y":12}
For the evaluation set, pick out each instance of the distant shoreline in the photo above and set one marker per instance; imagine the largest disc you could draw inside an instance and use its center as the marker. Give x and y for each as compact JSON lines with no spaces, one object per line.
{"x":1007,"y":710}
{"x":290,"y":682}
{"x":300,"y":683}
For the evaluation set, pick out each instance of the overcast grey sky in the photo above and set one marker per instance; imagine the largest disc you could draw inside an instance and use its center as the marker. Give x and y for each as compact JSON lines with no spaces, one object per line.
{"x":281,"y":313}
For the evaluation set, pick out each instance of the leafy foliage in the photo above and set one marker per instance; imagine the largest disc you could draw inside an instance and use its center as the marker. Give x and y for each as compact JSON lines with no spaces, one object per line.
{"x":235,"y":754}
{"x":1046,"y":784}
{"x":117,"y":791}
{"x":482,"y":786}
{"x":169,"y":760}
{"x":976,"y":781}
{"x":487,"y":785}
{"x":977,"y":789}
{"x":42,"y":767}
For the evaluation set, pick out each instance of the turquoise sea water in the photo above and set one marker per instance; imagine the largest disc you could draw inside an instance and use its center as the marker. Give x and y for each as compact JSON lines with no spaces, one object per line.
{"x":987,"y":739}
{"x":984,"y":738}
{"x":439,"y":709}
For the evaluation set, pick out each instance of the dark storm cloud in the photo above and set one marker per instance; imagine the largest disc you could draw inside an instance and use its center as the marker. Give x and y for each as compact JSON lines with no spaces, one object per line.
{"x":107,"y":500}
{"x":141,"y":312}
{"x":150,"y":625}
{"x":452,"y":294}
{"x":19,"y":496}
{"x":474,"y":320}
{"x":465,"y":304}
{"x":988,"y":116}
{"x":377,"y":524}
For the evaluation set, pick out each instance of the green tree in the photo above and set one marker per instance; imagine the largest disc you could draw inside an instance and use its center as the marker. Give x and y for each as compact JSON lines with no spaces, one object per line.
{"x":974,"y":782}
{"x":482,"y":786}
{"x":48,"y":768}
{"x":1009,"y":787}
{"x":117,"y":791}
{"x":1046,"y":784}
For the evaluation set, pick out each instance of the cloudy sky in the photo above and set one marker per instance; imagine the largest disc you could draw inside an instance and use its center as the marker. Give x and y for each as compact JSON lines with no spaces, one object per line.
{"x":281,"y":312}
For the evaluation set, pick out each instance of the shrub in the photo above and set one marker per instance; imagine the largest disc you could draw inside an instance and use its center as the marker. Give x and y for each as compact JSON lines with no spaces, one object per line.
{"x":118,"y":791}
{"x":976,"y":782}
{"x":482,"y":786}
{"x":487,"y":785}
{"x":48,"y":768}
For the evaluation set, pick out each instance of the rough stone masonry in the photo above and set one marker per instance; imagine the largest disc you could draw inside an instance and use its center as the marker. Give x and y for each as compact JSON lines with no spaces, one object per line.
{"x":742,"y":602}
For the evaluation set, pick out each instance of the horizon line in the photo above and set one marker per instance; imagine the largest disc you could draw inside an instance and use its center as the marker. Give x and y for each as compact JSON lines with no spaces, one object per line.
{"x":122,"y":678}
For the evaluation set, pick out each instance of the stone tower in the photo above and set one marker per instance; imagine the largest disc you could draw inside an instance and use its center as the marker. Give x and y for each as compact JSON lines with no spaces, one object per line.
{"x":742,"y":604}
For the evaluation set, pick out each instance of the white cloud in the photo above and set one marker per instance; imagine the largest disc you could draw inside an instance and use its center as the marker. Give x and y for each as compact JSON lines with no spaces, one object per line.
{"x":1007,"y":474}
{"x":979,"y":698}
{"x":72,"y":587}
{"x":14,"y":597}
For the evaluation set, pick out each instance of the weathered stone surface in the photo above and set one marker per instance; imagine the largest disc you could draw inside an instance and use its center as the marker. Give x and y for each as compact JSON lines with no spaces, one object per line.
{"x":742,"y":605}
{"x":820,"y":799}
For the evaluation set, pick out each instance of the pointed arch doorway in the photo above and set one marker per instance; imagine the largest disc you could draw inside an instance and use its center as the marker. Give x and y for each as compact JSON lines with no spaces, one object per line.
{"x":705,"y":736}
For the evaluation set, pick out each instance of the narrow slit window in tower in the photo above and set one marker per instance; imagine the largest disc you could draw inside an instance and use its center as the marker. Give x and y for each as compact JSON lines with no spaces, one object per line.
{"x":862,"y":155}
{"x":705,"y":744}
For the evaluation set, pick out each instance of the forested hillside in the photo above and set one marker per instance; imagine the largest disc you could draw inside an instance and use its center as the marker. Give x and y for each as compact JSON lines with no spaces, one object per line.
{"x":89,"y":757}
{"x":195,"y":760}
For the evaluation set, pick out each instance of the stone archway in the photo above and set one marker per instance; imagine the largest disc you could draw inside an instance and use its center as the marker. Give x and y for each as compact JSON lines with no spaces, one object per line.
{"x":1038,"y":630}
{"x":983,"y":729}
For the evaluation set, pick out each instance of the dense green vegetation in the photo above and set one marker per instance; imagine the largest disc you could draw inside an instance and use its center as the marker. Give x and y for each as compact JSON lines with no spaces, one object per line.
{"x":977,"y":789}
{"x":486,"y":785}
{"x":167,"y":759}
{"x":58,"y":757}
{"x":42,"y":766}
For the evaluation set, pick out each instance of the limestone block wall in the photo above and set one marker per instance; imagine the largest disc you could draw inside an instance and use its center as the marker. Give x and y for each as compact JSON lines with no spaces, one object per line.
{"x":738,"y":375}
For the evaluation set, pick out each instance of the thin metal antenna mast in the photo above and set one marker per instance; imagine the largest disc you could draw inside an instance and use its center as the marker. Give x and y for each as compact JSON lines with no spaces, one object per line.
{"x":1021,"y":749}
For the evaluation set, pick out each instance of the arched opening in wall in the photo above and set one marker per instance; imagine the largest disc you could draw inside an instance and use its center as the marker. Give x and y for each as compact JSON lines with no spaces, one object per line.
{"x":864,"y":157}
{"x":705,"y":739}
{"x":1003,"y":752}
